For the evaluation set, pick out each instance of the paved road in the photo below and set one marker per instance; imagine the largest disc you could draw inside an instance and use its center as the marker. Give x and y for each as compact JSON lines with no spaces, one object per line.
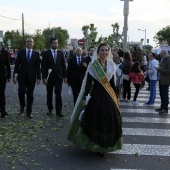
{"x":146,"y":138}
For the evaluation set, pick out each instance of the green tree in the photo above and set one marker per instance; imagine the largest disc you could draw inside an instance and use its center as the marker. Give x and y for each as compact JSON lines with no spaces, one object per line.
{"x":61,"y":34}
{"x":90,"y":33}
{"x":39,"y":40}
{"x":148,"y":47}
{"x":12,"y":36}
{"x":116,"y":37}
{"x":163,"y":36}
{"x":15,"y":38}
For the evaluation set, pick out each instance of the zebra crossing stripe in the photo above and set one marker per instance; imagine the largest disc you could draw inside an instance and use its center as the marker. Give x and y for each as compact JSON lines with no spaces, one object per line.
{"x":146,"y":132}
{"x":140,"y":104}
{"x":127,"y":110}
{"x":145,"y":100}
{"x":145,"y":120}
{"x":126,"y":169}
{"x":144,"y":149}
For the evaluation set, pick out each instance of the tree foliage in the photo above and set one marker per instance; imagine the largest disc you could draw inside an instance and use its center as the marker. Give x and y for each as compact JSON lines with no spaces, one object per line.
{"x":112,"y":39}
{"x":90,"y":34}
{"x":148,"y":47}
{"x":17,"y":40}
{"x":163,"y":36}
{"x":61,"y":34}
{"x":41,"y":39}
{"x":14,"y":37}
{"x":116,"y":36}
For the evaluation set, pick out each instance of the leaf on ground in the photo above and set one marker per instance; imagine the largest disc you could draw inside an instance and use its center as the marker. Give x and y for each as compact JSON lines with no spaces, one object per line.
{"x":37,"y":164}
{"x":137,"y":154}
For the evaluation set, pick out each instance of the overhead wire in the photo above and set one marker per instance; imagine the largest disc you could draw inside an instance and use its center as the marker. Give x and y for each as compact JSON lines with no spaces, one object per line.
{"x":9,"y":17}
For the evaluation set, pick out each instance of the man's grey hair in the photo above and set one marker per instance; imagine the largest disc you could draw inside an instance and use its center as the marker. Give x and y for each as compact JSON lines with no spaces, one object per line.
{"x":165,"y":51}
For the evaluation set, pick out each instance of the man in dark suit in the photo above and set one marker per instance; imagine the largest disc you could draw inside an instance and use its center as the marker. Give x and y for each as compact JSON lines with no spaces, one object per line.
{"x":75,"y":72}
{"x":90,"y":56}
{"x":53,"y":60}
{"x":27,"y":71}
{"x":5,"y":75}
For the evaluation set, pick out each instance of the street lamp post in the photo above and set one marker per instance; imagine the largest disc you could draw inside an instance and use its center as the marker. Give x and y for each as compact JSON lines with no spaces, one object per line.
{"x":9,"y":43}
{"x":125,"y":29}
{"x":145,"y":37}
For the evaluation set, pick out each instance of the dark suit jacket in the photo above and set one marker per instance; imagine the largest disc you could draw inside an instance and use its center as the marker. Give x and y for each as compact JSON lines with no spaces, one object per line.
{"x":48,"y":63}
{"x":75,"y":73}
{"x":27,"y":70}
{"x":5,"y":70}
{"x":88,"y":60}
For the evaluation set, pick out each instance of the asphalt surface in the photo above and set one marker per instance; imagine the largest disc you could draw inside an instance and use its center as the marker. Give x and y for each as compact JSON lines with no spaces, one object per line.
{"x":146,"y":137}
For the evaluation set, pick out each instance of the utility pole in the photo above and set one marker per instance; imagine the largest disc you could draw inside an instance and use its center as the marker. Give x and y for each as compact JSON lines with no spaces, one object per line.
{"x":23,"y":42}
{"x":53,"y":32}
{"x":125,"y":29}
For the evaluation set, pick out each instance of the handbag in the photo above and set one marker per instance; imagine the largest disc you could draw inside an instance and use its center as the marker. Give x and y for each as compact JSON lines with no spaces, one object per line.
{"x":142,"y":84}
{"x":125,"y":77}
{"x":147,"y":78}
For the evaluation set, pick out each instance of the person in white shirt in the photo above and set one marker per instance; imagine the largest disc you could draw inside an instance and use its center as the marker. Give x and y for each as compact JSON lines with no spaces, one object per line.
{"x":119,"y":80}
{"x":152,"y":73}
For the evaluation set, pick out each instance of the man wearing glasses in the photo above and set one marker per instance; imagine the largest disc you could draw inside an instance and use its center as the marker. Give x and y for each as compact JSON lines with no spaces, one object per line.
{"x":27,"y":72}
{"x":164,"y":82}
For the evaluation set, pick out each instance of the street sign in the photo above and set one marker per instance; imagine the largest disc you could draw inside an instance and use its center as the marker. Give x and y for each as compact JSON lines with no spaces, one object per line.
{"x":81,"y":42}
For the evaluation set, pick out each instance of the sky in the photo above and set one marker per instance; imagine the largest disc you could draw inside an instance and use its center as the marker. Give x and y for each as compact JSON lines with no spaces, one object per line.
{"x":151,"y":15}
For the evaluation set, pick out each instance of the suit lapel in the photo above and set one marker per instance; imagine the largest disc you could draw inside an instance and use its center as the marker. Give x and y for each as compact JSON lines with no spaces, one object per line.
{"x":75,"y":61}
{"x":51,"y":55}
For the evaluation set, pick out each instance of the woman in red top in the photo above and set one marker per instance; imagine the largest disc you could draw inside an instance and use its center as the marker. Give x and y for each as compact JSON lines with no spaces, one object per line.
{"x":136,"y":76}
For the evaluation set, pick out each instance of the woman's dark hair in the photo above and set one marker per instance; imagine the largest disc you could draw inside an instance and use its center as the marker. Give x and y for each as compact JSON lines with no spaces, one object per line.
{"x":135,"y":67}
{"x":127,"y":56}
{"x":120,"y":53}
{"x":154,"y":55}
{"x":135,"y":48}
{"x":101,"y":45}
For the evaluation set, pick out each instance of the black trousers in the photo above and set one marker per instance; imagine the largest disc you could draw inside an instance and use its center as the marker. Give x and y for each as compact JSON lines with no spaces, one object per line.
{"x":26,"y":87}
{"x":54,"y":82}
{"x":76,"y":90}
{"x":126,"y":89}
{"x":164,"y":94}
{"x":2,"y":96}
{"x":137,"y":86}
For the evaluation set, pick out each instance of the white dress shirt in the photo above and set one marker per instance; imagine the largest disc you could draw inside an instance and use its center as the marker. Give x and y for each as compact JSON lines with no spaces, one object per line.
{"x":52,"y":51}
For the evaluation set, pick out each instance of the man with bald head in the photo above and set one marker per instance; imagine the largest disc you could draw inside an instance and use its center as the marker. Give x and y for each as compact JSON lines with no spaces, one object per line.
{"x":27,"y":72}
{"x":75,"y":72}
{"x":164,"y":82}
